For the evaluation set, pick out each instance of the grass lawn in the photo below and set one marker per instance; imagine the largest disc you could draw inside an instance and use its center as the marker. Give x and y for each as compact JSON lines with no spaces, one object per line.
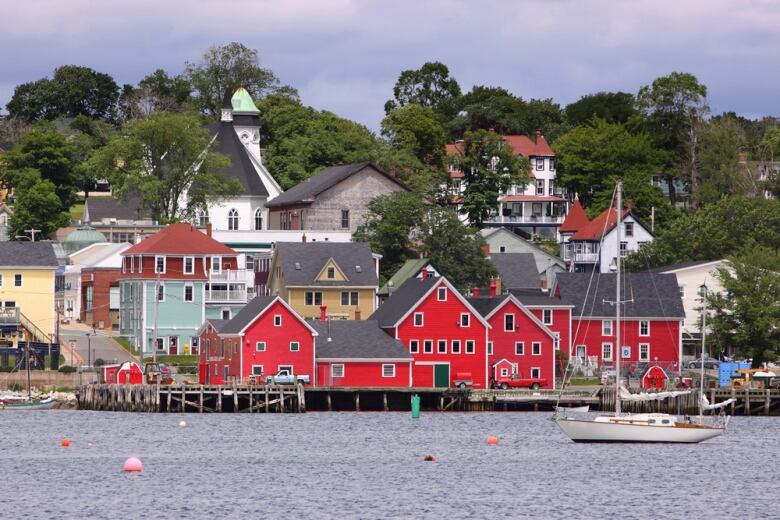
{"x":77,"y":211}
{"x":175,"y":360}
{"x":125,"y":344}
{"x":584,"y":381}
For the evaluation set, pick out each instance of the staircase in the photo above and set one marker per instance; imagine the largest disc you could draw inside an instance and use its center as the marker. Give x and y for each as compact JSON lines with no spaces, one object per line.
{"x":40,"y":344}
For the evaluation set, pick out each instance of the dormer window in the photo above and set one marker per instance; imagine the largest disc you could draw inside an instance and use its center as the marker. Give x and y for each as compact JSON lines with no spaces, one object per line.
{"x":331,"y":273}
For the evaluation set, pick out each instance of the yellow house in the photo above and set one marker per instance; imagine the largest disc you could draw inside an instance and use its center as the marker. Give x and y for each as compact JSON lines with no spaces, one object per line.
{"x":343,"y":277}
{"x":27,"y":273}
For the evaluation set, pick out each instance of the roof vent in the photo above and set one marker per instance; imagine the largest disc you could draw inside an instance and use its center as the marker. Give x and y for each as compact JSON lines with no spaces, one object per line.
{"x":297,"y":266}
{"x":359,"y":268}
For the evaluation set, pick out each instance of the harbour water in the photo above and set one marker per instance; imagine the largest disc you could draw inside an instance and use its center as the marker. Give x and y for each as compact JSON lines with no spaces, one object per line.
{"x":370,"y":465}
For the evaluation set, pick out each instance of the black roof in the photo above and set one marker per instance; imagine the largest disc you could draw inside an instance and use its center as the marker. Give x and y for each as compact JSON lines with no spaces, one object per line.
{"x":98,"y":208}
{"x":246,"y":315}
{"x":356,"y":339}
{"x":654,"y":295}
{"x":301,"y":262}
{"x":27,"y":254}
{"x":517,"y":270}
{"x":537,"y":298}
{"x":241,"y":166}
{"x":402,"y":299}
{"x":307,"y":191}
{"x":487,"y":304}
{"x":217,"y":324}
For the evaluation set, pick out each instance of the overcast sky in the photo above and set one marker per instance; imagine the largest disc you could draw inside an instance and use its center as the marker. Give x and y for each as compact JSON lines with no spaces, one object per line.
{"x":345,"y":55}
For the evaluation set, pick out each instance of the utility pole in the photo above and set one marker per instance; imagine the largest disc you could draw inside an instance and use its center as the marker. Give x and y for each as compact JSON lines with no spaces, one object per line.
{"x":156,"y":313}
{"x":32,"y":233}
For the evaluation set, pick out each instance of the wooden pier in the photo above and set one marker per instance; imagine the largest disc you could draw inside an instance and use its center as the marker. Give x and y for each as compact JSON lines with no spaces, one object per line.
{"x":748,"y":402}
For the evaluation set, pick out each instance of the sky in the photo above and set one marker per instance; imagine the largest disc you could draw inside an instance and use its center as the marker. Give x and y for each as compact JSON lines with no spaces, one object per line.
{"x":345,"y":55}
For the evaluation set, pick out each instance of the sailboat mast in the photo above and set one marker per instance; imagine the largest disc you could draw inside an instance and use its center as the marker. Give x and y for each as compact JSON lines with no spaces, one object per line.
{"x":618,"y":348}
{"x":703,"y":335}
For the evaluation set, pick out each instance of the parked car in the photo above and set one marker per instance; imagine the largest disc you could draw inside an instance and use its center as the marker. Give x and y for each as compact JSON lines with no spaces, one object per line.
{"x":517,"y":381}
{"x":284,"y":377}
{"x":463,"y":380}
{"x":709,"y":363}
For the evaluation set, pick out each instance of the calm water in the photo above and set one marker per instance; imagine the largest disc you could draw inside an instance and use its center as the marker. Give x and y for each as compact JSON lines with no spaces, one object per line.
{"x":370,"y":465}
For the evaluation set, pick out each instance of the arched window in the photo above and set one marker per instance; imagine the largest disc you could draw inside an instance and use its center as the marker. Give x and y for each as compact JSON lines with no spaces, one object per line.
{"x":203,"y":218}
{"x":233,"y":219}
{"x":259,"y":218}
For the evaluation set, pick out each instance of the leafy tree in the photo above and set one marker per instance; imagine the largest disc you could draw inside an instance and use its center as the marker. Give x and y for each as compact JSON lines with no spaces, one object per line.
{"x":37,"y":206}
{"x":770,"y":144}
{"x":12,"y":129}
{"x":156,"y":92}
{"x":612,"y":107}
{"x":489,"y":168}
{"x":72,"y":91}
{"x":428,"y":180}
{"x":417,"y":129}
{"x":747,"y":316}
{"x":429,"y":86}
{"x":672,"y":107}
{"x":224,"y":68}
{"x":164,"y":158}
{"x":720,"y":143}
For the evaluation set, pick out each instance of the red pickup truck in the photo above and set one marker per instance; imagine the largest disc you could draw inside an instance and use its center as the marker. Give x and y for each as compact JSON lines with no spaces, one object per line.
{"x":516,"y":381}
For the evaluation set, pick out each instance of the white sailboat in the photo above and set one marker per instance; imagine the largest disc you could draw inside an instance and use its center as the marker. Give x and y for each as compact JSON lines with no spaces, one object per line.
{"x":643,"y":427}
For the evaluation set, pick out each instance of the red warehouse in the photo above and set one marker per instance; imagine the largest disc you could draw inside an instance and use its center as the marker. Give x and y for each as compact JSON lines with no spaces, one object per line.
{"x":551,"y":311}
{"x":127,"y":373}
{"x":650,"y":326}
{"x":360,"y":354}
{"x":445,"y":335}
{"x":517,"y":338}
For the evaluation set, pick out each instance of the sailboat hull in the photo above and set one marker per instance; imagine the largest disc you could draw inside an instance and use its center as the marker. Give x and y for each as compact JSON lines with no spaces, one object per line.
{"x":596,"y":431}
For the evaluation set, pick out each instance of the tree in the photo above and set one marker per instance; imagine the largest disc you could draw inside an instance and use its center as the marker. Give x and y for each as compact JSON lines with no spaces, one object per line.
{"x":770,"y":144}
{"x":489,"y":168}
{"x":672,"y":107}
{"x":721,"y":140}
{"x":417,"y":129}
{"x":429,"y":86}
{"x":612,"y":107}
{"x":37,"y":206}
{"x":224,"y":68}
{"x":156,"y":92}
{"x":747,"y":315}
{"x":165,"y":158}
{"x":72,"y":91}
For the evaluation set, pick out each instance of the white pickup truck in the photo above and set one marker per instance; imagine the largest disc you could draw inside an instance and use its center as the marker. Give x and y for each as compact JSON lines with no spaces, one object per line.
{"x":284,"y":377}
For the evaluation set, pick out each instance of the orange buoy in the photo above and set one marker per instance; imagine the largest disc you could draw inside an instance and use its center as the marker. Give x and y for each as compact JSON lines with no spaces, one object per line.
{"x":492,"y":440}
{"x":65,"y":443}
{"x":430,"y":458}
{"x":133,"y":464}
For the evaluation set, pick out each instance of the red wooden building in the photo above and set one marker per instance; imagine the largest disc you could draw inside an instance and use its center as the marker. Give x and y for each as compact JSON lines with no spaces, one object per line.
{"x":127,"y":373}
{"x":445,"y":335}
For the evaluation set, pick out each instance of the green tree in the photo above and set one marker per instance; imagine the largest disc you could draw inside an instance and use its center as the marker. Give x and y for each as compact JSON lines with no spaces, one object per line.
{"x":72,"y":91}
{"x":165,"y":159}
{"x":429,"y":86}
{"x":37,"y":206}
{"x":489,"y":168}
{"x":224,"y":68}
{"x":770,"y":144}
{"x":156,"y":92}
{"x":612,"y":107}
{"x":747,"y":315}
{"x":721,"y":140}
{"x":417,"y":129}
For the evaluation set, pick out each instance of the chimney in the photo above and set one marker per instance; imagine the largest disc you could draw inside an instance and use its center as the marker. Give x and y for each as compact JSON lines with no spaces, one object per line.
{"x":492,"y":288}
{"x":208,"y":229}
{"x":475,"y":292}
{"x":303,"y":238}
{"x":499,"y":287}
{"x":485,"y":249}
{"x":323,"y":318}
{"x":357,"y":315}
{"x":544,"y":283}
{"x":424,"y":273}
{"x":538,"y":135}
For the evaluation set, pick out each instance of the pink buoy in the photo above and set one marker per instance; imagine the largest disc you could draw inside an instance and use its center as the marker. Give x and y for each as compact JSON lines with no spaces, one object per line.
{"x":133,"y":464}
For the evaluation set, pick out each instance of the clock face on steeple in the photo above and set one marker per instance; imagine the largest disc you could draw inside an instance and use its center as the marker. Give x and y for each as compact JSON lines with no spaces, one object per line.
{"x":227,"y":114}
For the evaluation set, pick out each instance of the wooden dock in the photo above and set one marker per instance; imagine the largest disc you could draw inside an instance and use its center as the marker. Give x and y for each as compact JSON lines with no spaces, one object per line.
{"x":748,"y":402}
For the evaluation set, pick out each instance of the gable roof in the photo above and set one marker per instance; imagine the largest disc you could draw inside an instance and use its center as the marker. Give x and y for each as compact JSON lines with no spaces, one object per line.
{"x":517,"y":270}
{"x":654,"y":295}
{"x":251,"y":311}
{"x":217,"y":324}
{"x":98,"y":208}
{"x":575,"y":220}
{"x":521,"y":145}
{"x":598,"y":228}
{"x":305,"y":192}
{"x":27,"y":254}
{"x":301,"y":262}
{"x":537,"y":298}
{"x":180,"y":239}
{"x":409,"y":269}
{"x":241,"y":168}
{"x":350,"y":339}
{"x":685,"y":265}
{"x":487,"y":306}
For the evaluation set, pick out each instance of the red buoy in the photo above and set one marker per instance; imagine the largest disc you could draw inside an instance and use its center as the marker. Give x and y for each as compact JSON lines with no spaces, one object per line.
{"x":492,"y":440}
{"x":65,"y":443}
{"x":430,"y":458}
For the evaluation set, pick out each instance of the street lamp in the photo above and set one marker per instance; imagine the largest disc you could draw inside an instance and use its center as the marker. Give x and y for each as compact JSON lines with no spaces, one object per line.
{"x":89,"y":350}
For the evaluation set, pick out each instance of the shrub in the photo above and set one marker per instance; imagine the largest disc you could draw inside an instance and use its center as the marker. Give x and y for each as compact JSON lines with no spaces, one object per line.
{"x":67,"y":369}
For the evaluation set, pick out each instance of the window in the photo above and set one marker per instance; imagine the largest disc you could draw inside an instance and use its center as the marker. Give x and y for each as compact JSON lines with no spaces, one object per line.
{"x":547,"y":316}
{"x":161,"y":292}
{"x":682,"y":291}
{"x":428,"y":346}
{"x":540,"y":165}
{"x":344,"y":219}
{"x":465,"y":319}
{"x":295,"y":346}
{"x":203,"y":218}
{"x":159,"y":264}
{"x":509,"y":322}
{"x":469,"y":346}
{"x":257,"y":370}
{"x":442,"y":346}
{"x":189,"y":265}
{"x":623,"y":249}
{"x":89,"y":297}
{"x":519,"y":348}
{"x":628,"y":229}
{"x":277,"y":320}
{"x":625,"y":352}
{"x":644,"y":352}
{"x":536,"y":348}
{"x":331,"y":273}
{"x":259,"y":219}
{"x":188,"y":294}
{"x":606,"y":351}
{"x":414,"y":346}
{"x":216,"y":264}
{"x":337,"y":371}
{"x":349,"y":298}
{"x":260,"y":346}
{"x":540,"y":186}
{"x":17,"y":280}
{"x":536,"y":209}
{"x":313,"y":298}
{"x":456,"y":346}
{"x":606,"y":327}
{"x":551,"y":188}
{"x":552,"y":164}
{"x":388,"y":370}
{"x":502,"y":249}
{"x":225,"y":313}
{"x":441,"y":294}
{"x":536,"y":373}
{"x":232,"y":220}
{"x":644,"y":327}
{"x":504,"y":372}
{"x":418,"y":319}
{"x":490,"y":348}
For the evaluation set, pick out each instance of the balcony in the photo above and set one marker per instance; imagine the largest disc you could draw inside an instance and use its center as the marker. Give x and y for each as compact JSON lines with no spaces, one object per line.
{"x":586,"y":258}
{"x":527,"y":220}
{"x":245,"y":276}
{"x":223,"y":296}
{"x":9,"y":317}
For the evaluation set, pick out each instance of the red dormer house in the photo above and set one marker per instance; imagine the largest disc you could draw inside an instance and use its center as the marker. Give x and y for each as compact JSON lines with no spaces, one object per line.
{"x":446,"y":336}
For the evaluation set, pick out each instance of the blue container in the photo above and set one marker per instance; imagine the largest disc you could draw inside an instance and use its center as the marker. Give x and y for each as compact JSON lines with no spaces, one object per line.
{"x":729,"y":370}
